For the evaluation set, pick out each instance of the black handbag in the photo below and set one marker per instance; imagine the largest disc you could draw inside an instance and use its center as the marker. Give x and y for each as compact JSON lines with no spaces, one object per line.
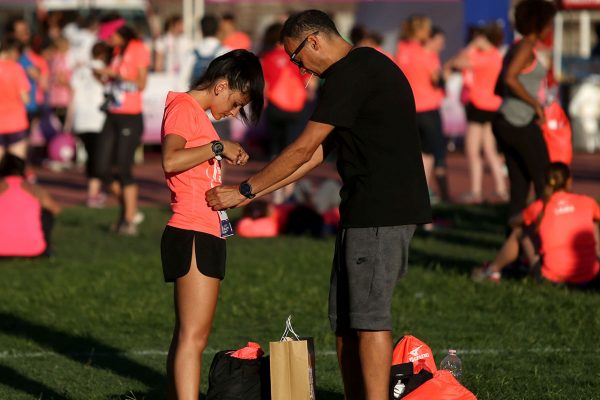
{"x":232,"y":378}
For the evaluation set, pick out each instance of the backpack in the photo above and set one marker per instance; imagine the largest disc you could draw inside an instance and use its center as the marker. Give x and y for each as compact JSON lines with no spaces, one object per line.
{"x":201,"y":64}
{"x":288,"y":92}
{"x":557,"y":134}
{"x":232,"y":378}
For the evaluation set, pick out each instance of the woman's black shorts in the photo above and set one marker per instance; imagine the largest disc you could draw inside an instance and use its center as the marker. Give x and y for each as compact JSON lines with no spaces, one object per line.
{"x":478,"y":115}
{"x":176,"y":253}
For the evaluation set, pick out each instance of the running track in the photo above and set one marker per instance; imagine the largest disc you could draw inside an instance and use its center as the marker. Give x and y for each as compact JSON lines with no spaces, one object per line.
{"x":69,"y":187}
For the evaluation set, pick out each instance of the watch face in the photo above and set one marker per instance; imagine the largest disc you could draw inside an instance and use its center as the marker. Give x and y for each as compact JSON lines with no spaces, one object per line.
{"x":246,"y":190}
{"x":217,"y":148}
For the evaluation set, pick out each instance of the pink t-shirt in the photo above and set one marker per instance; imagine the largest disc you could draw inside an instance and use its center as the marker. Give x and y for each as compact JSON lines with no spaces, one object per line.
{"x":21,"y":233}
{"x":567,"y":234}
{"x":59,"y":94}
{"x":419,"y":65}
{"x":127,"y":65}
{"x":480,"y":79}
{"x":184,"y":117}
{"x":13,"y":81}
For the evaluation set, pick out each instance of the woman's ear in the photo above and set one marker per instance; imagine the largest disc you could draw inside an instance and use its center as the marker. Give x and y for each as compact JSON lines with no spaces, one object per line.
{"x":220,"y":87}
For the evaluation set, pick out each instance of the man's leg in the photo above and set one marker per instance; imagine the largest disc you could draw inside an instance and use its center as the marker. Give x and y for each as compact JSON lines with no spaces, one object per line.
{"x":367,"y":266}
{"x":375,"y":348}
{"x":350,"y":365}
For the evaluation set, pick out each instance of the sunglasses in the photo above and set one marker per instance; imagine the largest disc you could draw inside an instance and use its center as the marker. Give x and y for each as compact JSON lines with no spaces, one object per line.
{"x":299,"y":49}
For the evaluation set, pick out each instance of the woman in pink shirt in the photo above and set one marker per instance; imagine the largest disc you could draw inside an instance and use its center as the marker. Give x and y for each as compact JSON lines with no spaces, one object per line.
{"x":26,"y":212}
{"x":193,"y":244}
{"x":59,"y":88}
{"x":423,"y":70}
{"x":481,"y":63}
{"x":13,"y":97}
{"x":123,"y":128}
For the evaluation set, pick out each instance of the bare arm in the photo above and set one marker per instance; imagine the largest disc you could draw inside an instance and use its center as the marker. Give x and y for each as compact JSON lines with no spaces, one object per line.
{"x":142,"y":78}
{"x":316,"y":159}
{"x":300,"y":155}
{"x":292,"y":157}
{"x":176,"y":158}
{"x":46,"y":201}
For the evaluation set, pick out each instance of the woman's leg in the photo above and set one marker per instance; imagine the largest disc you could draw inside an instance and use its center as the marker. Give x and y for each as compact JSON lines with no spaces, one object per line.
{"x":493,"y":158}
{"x":130,"y":133}
{"x":19,"y":149}
{"x":195,"y":304}
{"x":473,"y":143}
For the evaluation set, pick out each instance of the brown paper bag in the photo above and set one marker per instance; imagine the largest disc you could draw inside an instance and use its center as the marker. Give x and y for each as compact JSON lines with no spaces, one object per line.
{"x":292,"y":367}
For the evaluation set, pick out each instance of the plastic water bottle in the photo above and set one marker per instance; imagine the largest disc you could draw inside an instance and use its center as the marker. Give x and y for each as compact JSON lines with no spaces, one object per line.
{"x":453,"y":364}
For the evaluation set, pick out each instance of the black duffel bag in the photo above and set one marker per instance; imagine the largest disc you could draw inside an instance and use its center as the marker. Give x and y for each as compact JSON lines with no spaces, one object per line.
{"x":232,"y":378}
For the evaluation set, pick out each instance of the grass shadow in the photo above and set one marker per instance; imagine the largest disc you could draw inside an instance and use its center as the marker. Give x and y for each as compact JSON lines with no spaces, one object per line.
{"x":14,"y":379}
{"x":85,"y":350}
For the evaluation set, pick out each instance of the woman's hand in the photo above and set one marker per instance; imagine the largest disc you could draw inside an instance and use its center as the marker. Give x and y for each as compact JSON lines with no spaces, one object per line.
{"x":234,"y":153}
{"x":541,"y":116}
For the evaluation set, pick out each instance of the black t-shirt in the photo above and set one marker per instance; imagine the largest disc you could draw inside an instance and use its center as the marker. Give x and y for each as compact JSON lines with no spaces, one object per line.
{"x":369,"y":101}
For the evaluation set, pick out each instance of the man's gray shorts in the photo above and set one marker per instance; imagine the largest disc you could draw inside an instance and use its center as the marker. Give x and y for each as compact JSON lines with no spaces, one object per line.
{"x":367,"y":265}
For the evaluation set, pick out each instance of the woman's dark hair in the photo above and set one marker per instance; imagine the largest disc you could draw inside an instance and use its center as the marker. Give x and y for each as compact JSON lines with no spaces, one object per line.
{"x":412,"y":24}
{"x":11,"y":165}
{"x":532,"y":16}
{"x":358,"y":33}
{"x":128,"y":34}
{"x":243,"y":73}
{"x":271,"y":37}
{"x":9,"y":43}
{"x":557,"y":176}
{"x":436,"y":30}
{"x":101,"y":49}
{"x":308,"y":21}
{"x":494,"y":34}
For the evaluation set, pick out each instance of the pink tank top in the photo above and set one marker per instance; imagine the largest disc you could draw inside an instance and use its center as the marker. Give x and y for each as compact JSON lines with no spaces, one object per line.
{"x":21,"y":232}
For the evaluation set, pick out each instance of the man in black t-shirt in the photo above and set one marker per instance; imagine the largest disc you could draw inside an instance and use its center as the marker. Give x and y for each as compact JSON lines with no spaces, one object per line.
{"x":367,"y":109}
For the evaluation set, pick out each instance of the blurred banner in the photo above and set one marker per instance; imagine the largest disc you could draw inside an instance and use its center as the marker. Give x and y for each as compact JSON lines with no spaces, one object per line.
{"x":580,"y":4}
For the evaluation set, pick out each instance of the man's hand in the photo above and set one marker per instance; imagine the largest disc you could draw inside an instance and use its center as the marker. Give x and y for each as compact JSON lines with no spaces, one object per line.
{"x":224,"y":197}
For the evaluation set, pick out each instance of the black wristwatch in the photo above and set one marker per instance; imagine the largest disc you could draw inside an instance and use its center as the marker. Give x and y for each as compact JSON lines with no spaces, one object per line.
{"x":217,"y":149}
{"x":246,"y":190}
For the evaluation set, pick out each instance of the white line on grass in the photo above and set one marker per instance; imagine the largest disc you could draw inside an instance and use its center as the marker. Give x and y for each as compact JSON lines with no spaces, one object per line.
{"x":13,"y":354}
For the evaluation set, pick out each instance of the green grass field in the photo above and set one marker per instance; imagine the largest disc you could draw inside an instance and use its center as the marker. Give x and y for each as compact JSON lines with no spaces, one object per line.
{"x":95,"y":321}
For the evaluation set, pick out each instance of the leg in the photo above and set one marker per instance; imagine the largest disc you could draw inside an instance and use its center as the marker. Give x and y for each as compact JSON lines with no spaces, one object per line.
{"x":104,"y":151}
{"x":493,"y":158}
{"x":195,"y":304}
{"x":439,"y":154}
{"x":19,"y":149}
{"x":347,"y":346}
{"x":130,"y":133}
{"x":509,"y":251}
{"x":536,"y":159}
{"x":473,"y":143}
{"x":512,"y":143}
{"x":375,"y":361}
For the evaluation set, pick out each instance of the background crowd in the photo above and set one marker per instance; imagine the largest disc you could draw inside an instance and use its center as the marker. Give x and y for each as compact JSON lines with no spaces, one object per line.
{"x":72,"y":94}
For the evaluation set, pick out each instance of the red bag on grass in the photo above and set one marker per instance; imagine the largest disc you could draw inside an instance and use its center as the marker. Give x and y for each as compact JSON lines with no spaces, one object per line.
{"x":557,"y":134}
{"x":414,"y":375}
{"x":411,"y":349}
{"x":443,"y":386}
